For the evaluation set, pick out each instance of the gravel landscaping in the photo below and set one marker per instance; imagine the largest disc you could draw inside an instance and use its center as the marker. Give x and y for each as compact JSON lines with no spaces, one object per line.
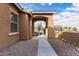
{"x":63,"y":48}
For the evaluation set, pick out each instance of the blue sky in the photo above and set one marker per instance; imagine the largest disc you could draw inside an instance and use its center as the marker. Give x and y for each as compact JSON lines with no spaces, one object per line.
{"x":67,"y":14}
{"x":57,"y":7}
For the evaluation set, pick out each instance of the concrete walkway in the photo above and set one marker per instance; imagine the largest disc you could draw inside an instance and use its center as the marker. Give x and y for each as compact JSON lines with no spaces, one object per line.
{"x":38,"y":46}
{"x":44,"y":48}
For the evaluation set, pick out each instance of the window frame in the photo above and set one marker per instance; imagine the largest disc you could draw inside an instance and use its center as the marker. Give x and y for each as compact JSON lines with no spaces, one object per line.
{"x":13,"y":33}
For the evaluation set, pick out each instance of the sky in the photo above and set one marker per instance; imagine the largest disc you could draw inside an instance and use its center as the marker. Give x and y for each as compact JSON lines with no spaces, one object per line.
{"x":67,"y":14}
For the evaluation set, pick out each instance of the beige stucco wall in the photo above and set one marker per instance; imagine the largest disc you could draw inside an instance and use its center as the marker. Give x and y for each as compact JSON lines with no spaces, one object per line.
{"x":30,"y":28}
{"x":24,"y":26}
{"x":51,"y":33}
{"x":5,"y":38}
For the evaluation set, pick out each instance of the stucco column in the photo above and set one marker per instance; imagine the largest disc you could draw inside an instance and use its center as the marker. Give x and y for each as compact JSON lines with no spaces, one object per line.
{"x":24,"y":26}
{"x":31,"y":28}
{"x":51,"y":33}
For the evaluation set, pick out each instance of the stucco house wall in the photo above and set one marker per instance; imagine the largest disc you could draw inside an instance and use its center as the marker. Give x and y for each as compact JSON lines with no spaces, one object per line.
{"x":7,"y":38}
{"x":24,"y":26}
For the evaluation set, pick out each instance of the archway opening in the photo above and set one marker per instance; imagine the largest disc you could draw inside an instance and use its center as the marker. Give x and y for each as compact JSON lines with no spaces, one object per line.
{"x":39,"y":26}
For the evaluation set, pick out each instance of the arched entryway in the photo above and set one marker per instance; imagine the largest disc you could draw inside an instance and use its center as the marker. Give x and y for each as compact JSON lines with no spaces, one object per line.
{"x":39,"y":25}
{"x":47,"y":17}
{"x":27,"y":24}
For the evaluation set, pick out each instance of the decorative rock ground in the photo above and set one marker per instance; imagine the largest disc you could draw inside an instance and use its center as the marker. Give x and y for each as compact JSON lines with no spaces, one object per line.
{"x":64,"y":49}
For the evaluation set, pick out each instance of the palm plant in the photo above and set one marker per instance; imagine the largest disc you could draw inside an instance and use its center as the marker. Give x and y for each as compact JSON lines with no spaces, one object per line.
{"x":39,"y":26}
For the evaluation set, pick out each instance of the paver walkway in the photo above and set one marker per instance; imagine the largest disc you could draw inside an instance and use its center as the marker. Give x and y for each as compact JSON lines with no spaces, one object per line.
{"x":38,"y":46}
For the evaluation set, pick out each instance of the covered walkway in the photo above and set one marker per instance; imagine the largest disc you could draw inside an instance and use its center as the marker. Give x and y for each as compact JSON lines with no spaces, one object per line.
{"x":37,"y":46}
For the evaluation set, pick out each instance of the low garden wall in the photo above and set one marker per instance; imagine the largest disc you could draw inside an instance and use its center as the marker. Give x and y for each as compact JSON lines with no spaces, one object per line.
{"x":69,"y":37}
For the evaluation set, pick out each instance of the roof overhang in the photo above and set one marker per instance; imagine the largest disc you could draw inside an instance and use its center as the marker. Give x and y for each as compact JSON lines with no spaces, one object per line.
{"x":43,"y":12}
{"x":22,"y":10}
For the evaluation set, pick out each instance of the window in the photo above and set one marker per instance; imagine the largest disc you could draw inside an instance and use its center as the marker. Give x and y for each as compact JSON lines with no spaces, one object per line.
{"x":14,"y":22}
